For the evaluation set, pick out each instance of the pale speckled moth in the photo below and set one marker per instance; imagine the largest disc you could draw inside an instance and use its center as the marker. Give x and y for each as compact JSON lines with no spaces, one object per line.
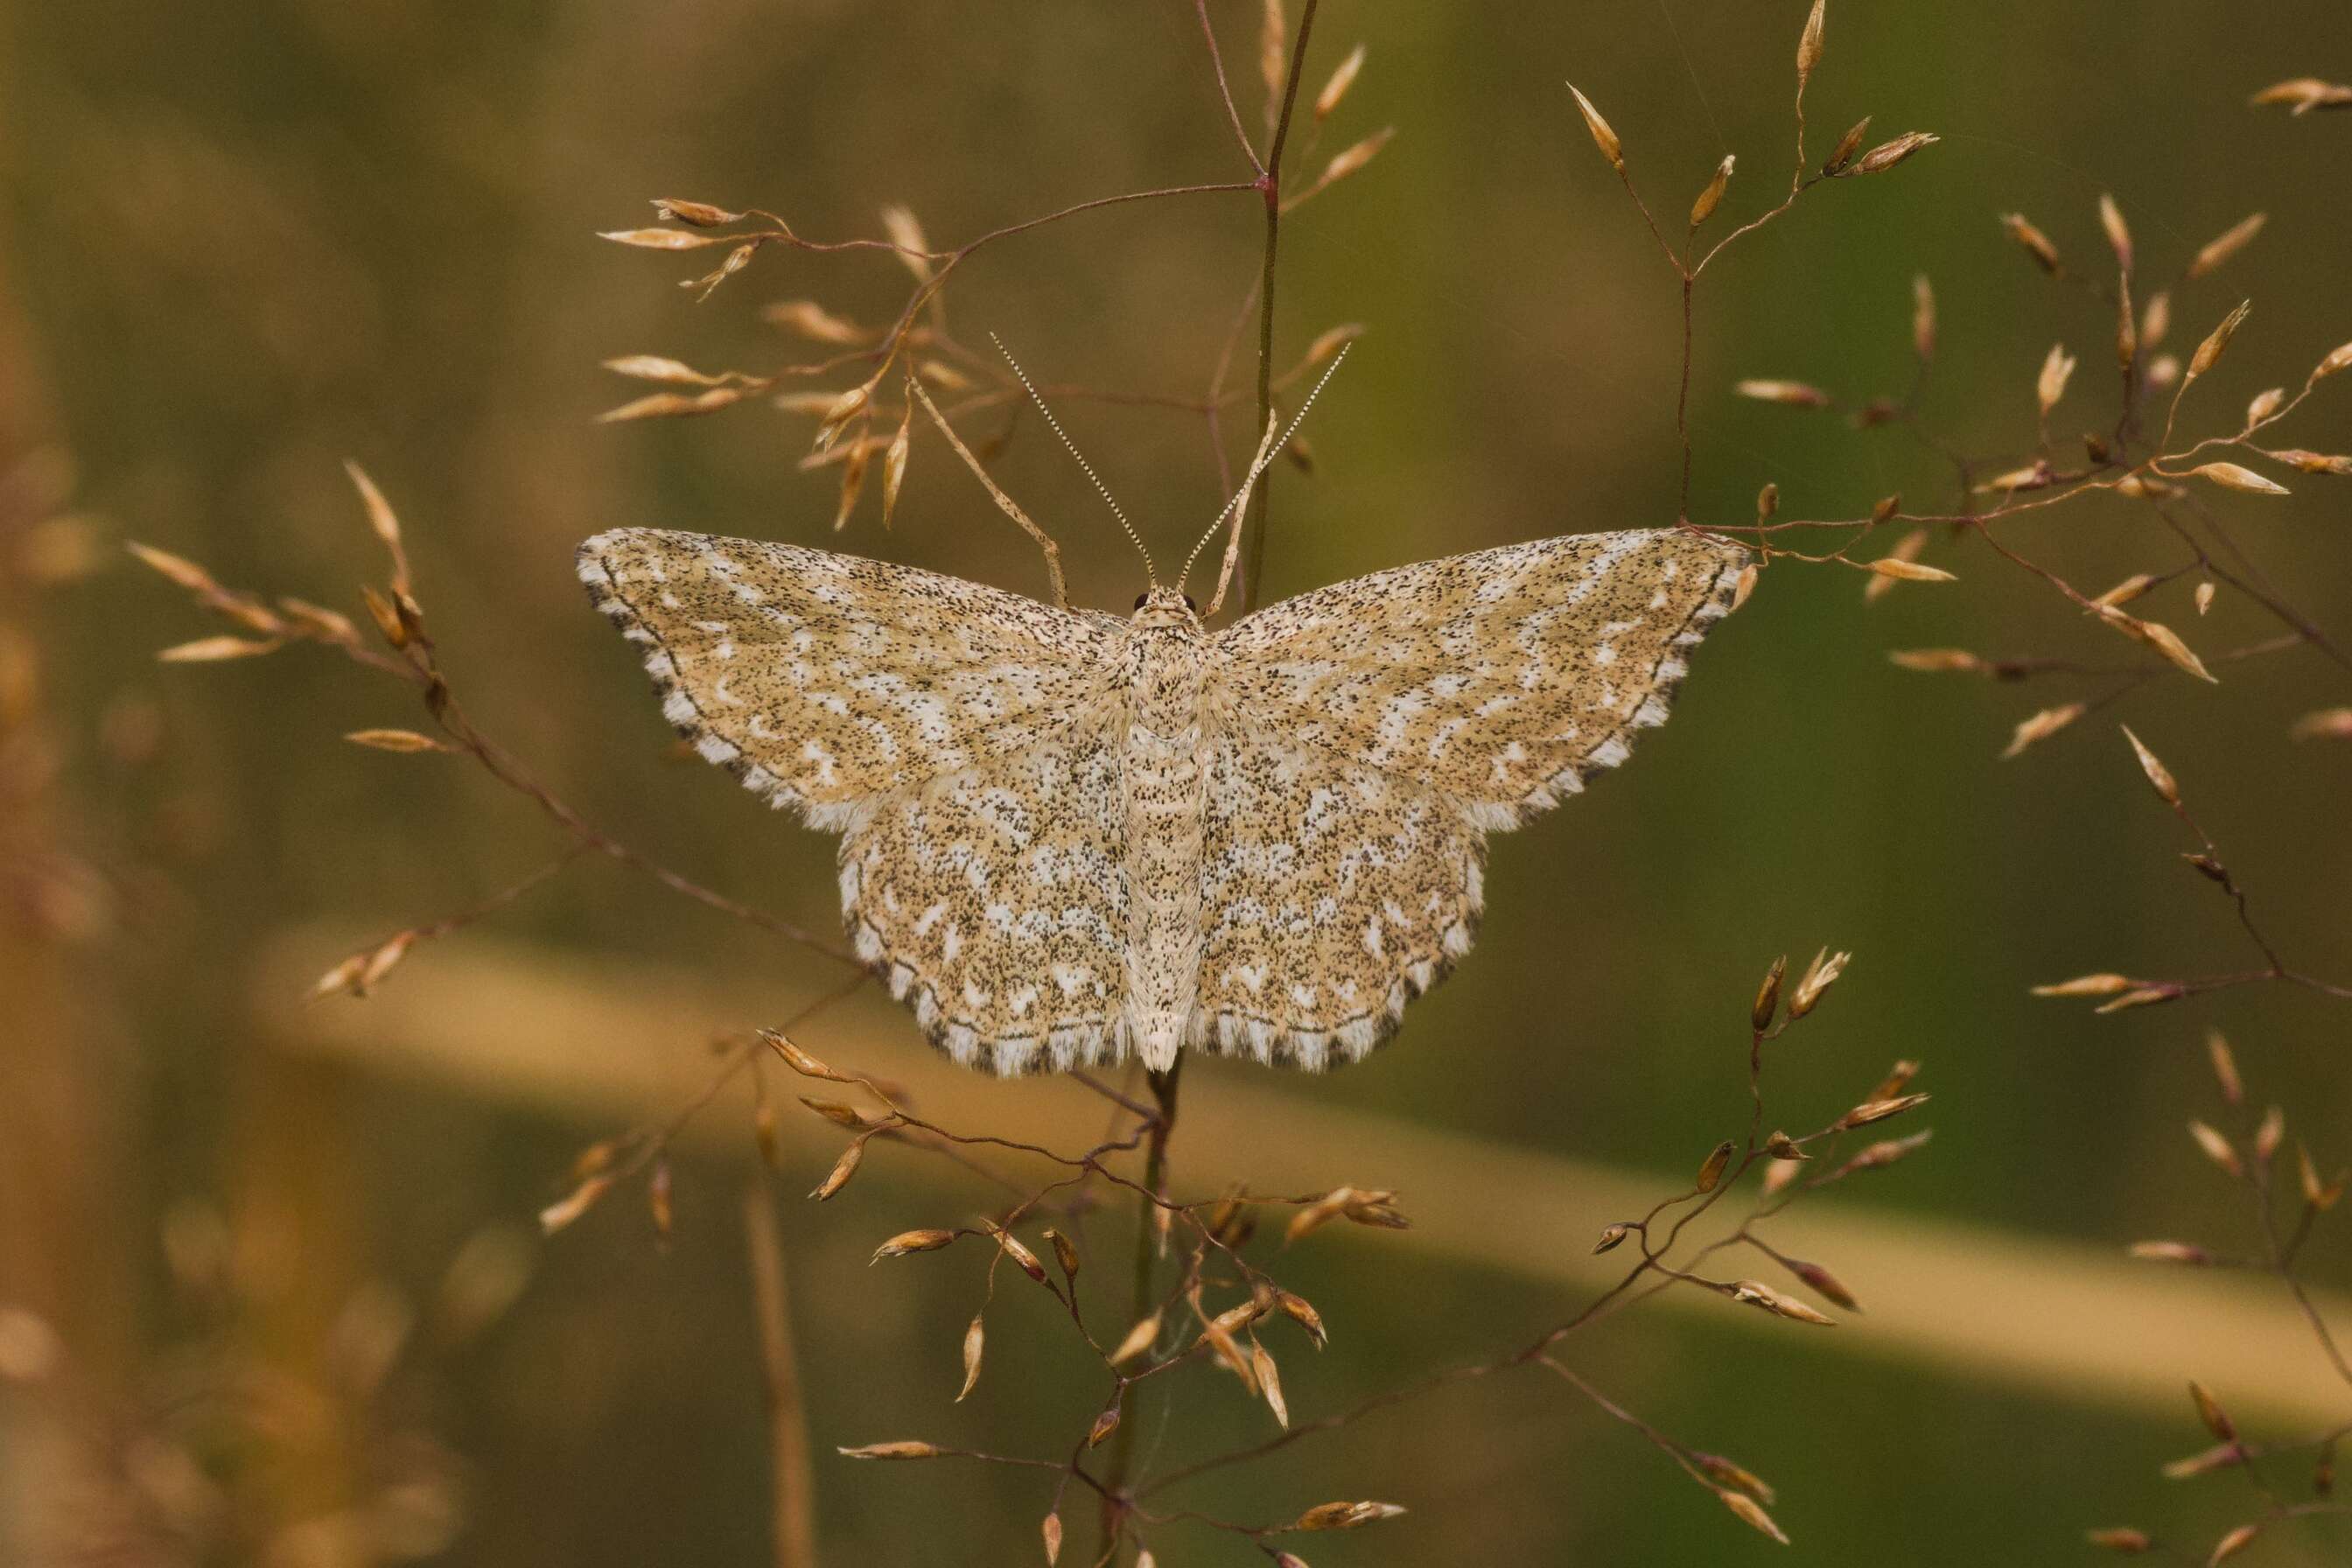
{"x":1068,"y":837}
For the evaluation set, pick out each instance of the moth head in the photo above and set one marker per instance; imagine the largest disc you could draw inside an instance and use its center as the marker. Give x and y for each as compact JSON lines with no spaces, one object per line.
{"x":1165,"y":607}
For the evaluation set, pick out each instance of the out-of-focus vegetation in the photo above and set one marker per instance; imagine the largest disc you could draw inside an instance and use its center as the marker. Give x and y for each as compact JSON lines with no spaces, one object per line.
{"x":269,"y":1277}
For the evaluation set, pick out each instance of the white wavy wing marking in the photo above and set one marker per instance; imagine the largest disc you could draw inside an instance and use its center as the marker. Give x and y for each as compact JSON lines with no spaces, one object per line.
{"x":819,"y":679}
{"x":994,"y":901}
{"x":1504,"y":678}
{"x":1332,"y":893}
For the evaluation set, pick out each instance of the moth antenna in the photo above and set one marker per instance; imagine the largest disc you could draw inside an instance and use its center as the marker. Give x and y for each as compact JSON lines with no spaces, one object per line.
{"x":1238,"y":506}
{"x":1150,"y":575}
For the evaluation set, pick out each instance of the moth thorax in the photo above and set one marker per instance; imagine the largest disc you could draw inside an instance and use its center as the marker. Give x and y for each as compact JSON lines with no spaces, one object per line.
{"x":1165,"y":682}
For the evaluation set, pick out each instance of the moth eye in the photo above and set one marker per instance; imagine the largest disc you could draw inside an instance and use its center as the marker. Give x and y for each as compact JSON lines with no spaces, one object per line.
{"x":1191,"y":604}
{"x":1141,"y":600}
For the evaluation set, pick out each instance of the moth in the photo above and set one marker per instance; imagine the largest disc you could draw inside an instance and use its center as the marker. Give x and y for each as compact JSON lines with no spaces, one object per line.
{"x":1069,"y":837}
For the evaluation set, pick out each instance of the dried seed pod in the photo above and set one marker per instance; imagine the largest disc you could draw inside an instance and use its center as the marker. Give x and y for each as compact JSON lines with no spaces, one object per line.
{"x":2124,"y":1540}
{"x":696,"y":215}
{"x":556,"y":1215}
{"x":2325,"y":724}
{"x":2085,"y":985}
{"x":1105,"y":1425}
{"x":1819,"y":976}
{"x":2159,"y":777}
{"x":1898,"y":1077}
{"x":2140,"y":996}
{"x":1269,"y":1382}
{"x":1906,"y":548}
{"x":799,"y":1060}
{"x":1767,"y":501}
{"x":1343,"y":78}
{"x":1847,"y":146}
{"x":1712,"y":196}
{"x":1302,"y":1311}
{"x":2269,"y":1134}
{"x":1937,"y":660}
{"x":1826,"y":1284}
{"x":1862,"y":1115}
{"x":1809,"y":43}
{"x":2170,"y":1252}
{"x":893,"y":1451}
{"x":2160,"y":637}
{"x":928,"y":1239}
{"x":975,"y":1340}
{"x":2243,"y":1536}
{"x":1344,"y":1515}
{"x":1050,"y":1532}
{"x":1767,"y":997}
{"x":1922,"y":317}
{"x":1066,"y":1253}
{"x":1139,"y":1339}
{"x":1780,"y":1146}
{"x":2036,"y":243}
{"x":844,"y":407}
{"x":2209,"y":1410}
{"x":654,"y":367}
{"x":853,"y":483}
{"x":1612,"y":1237}
{"x":1351,"y":159}
{"x":662,"y":238}
{"x":2232,"y":241}
{"x":842,"y":1169}
{"x":1711,"y":1169}
{"x":2231,"y":476}
{"x":1602,"y":136}
{"x":2304,"y":93}
{"x":1756,"y":1293}
{"x":2125,"y":591}
{"x":212,"y":650}
{"x":1904,"y":571}
{"x":2313,"y":462}
{"x":1022,"y":1257}
{"x":2057,"y":369}
{"x":807,"y":319}
{"x":1723,"y":1472}
{"x":2218,"y":1149}
{"x":1886,"y":154}
{"x":1794,"y":394}
{"x":2210,"y":351}
{"x":2225,"y":1066}
{"x":2111,"y":219}
{"x":659,"y":1203}
{"x":406,"y":740}
{"x":1751,"y":1513}
{"x":181,"y":572}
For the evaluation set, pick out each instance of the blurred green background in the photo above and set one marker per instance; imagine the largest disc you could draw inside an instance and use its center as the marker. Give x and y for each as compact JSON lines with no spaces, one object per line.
{"x":246,"y":242}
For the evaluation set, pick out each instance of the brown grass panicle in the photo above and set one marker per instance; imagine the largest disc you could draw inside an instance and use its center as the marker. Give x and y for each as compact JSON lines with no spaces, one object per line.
{"x":234,"y":1442}
{"x":1212,"y":1299}
{"x":2290,"y":1478}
